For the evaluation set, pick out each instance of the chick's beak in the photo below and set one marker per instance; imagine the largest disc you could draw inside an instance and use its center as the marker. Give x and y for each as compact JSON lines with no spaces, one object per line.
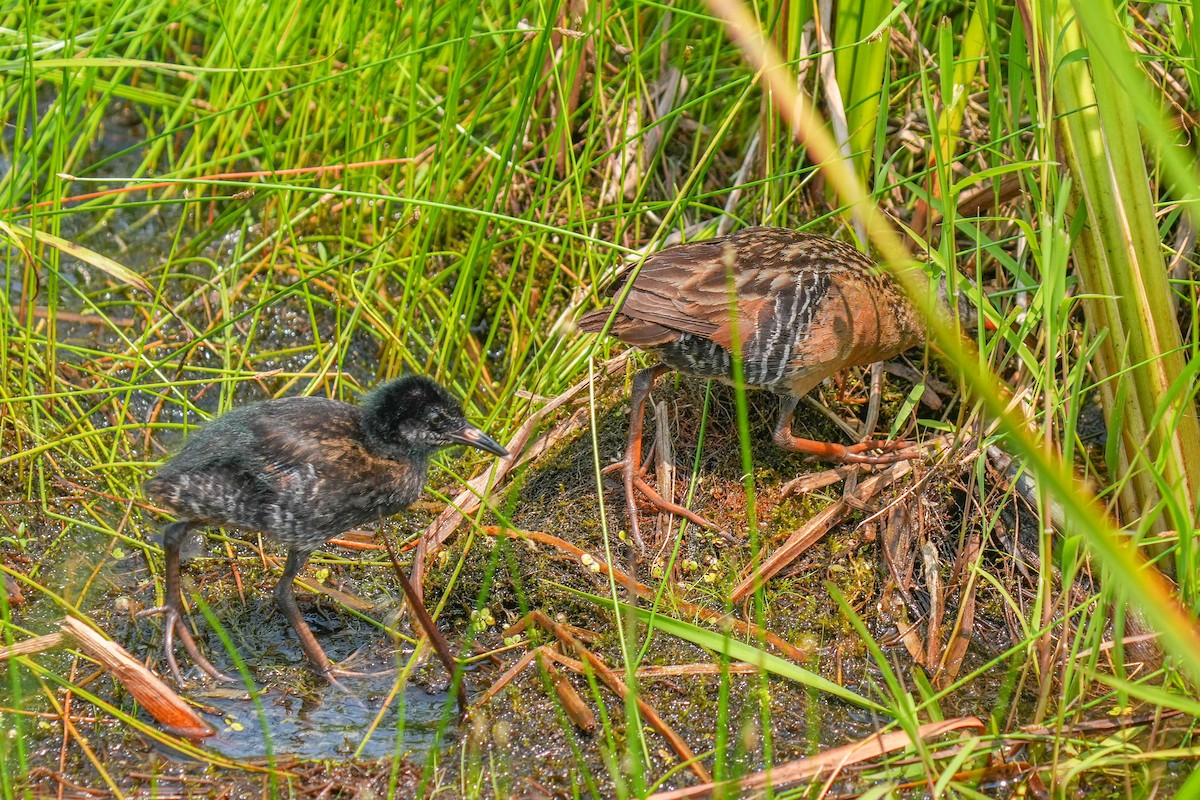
{"x":472,"y":436}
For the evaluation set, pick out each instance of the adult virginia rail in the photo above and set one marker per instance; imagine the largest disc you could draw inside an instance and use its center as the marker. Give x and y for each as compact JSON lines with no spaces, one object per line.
{"x":802,"y":306}
{"x":302,"y":470}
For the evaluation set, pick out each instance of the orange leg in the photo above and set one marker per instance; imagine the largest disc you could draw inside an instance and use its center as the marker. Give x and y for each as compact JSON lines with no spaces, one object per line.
{"x":890,"y":452}
{"x":643,"y":382}
{"x":172,"y":608}
{"x":285,"y":598}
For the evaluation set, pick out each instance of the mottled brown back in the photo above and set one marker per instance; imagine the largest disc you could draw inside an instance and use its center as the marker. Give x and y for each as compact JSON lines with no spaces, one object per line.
{"x":803,"y":306}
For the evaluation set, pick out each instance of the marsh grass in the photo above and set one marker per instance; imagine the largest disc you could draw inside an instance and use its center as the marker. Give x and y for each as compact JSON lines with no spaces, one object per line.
{"x":317,"y":196}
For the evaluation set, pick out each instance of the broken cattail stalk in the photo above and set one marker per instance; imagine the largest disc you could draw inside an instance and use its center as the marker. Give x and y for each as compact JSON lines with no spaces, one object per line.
{"x":507,"y":678}
{"x":828,"y":762}
{"x":816,"y":528}
{"x":38,"y":644}
{"x":609,"y":678}
{"x":169,"y":709}
{"x":646,"y":593}
{"x":572,"y":702}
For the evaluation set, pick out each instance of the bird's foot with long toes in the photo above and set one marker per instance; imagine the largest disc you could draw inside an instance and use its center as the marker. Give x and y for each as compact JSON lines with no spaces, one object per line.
{"x":888,"y":452}
{"x":173,"y":625}
{"x":871,"y":451}
{"x":874,"y":452}
{"x":634,"y":482}
{"x":632,"y":468}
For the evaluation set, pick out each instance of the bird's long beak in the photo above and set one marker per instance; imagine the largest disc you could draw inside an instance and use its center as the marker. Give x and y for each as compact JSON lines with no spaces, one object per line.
{"x":472,"y":436}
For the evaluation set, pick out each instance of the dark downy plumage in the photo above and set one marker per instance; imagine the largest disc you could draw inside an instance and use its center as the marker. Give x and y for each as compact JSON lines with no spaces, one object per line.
{"x":302,"y":470}
{"x":803,"y":308}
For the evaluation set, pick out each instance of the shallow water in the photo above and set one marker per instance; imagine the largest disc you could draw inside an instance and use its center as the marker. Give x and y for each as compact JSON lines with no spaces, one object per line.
{"x":329,"y":722}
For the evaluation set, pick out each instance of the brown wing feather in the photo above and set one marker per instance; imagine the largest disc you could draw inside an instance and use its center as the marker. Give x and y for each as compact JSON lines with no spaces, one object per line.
{"x":637,"y":333}
{"x":688,"y":287}
{"x":778,"y":276}
{"x":665,"y":292}
{"x":680,"y":289}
